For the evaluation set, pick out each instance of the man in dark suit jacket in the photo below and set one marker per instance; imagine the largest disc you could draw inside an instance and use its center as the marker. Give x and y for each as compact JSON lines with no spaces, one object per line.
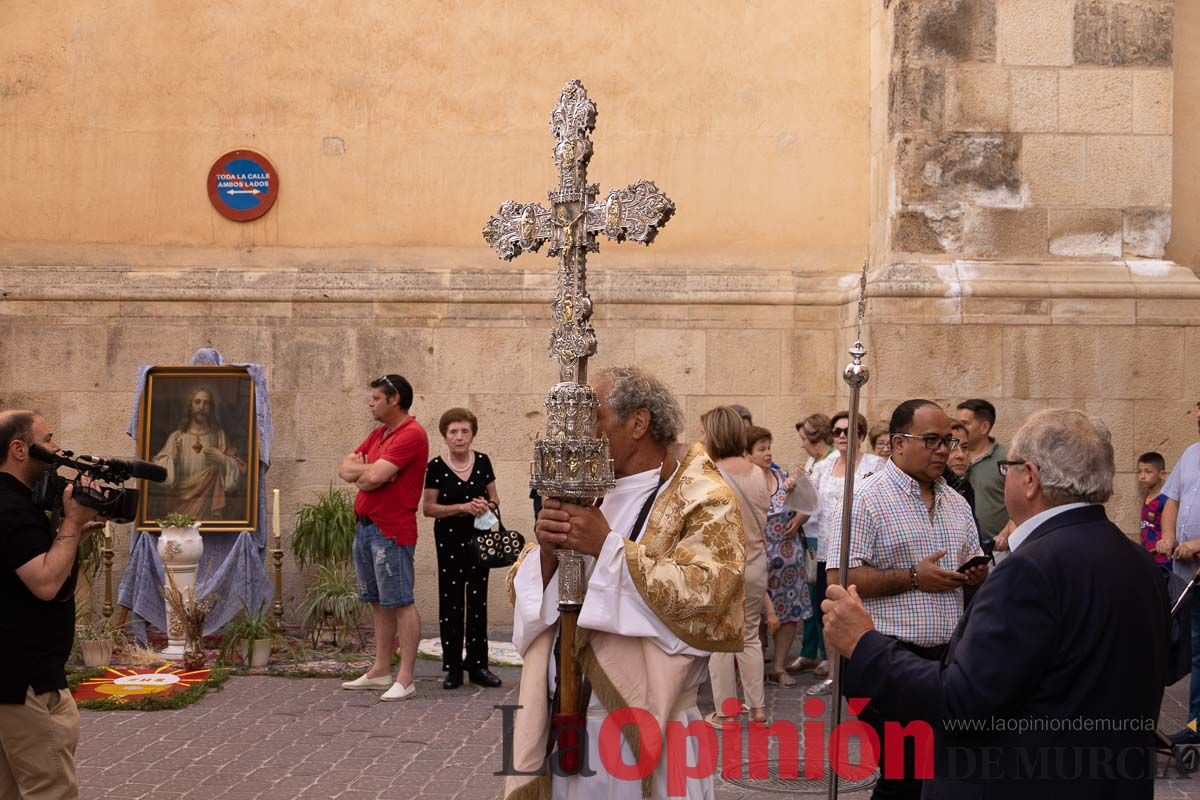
{"x":1052,"y":682}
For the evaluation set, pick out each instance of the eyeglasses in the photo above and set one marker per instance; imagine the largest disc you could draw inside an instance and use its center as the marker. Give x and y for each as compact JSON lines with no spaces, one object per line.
{"x":840,"y":432}
{"x":388,"y":381}
{"x":1004,"y":466}
{"x":933,"y":440}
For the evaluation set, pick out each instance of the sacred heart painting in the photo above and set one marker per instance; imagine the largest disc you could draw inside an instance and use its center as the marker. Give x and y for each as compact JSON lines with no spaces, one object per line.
{"x":198,"y":424}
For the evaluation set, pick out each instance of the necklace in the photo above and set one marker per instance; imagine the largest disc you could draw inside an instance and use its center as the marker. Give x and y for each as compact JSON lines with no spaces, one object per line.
{"x":465,"y":467}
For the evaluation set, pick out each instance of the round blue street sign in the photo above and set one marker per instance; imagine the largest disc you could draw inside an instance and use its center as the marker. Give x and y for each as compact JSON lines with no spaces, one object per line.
{"x":243,"y":185}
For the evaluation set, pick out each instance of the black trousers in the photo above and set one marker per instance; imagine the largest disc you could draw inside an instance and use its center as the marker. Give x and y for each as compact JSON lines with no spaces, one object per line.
{"x":462,"y":597}
{"x":908,"y":787}
{"x":819,"y":594}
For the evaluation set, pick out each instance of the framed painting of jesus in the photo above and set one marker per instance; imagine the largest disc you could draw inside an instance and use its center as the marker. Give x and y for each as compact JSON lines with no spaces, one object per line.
{"x":198,"y":423}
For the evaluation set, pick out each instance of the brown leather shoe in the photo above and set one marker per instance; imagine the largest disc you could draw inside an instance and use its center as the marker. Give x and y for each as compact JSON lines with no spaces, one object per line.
{"x":802,"y":664}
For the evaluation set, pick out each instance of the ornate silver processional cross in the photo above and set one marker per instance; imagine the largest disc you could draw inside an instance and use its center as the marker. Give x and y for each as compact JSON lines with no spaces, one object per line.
{"x":571,"y":460}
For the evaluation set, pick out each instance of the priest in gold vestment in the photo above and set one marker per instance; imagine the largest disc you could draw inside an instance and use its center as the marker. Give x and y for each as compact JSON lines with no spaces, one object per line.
{"x":665,"y":556}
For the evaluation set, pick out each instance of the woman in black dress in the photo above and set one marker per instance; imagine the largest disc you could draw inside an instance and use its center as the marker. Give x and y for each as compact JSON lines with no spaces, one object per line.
{"x":459,"y":486}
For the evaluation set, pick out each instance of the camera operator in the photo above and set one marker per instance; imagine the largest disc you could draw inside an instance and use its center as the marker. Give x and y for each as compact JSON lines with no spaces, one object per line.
{"x":39,"y":724}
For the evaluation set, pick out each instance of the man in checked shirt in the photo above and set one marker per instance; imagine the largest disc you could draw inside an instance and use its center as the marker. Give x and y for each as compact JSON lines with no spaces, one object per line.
{"x":909,"y":533}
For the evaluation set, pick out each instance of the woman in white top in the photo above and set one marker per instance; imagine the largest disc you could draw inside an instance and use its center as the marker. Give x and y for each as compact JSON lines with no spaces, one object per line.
{"x":829,"y":478}
{"x":817,"y":441}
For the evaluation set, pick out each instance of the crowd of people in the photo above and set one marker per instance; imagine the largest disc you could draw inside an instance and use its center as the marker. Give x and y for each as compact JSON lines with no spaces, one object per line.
{"x":930,"y":513}
{"x":787,"y":550}
{"x":713,"y":562}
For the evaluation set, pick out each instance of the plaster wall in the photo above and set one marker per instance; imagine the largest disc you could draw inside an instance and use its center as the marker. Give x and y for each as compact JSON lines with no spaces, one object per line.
{"x":405,"y":124}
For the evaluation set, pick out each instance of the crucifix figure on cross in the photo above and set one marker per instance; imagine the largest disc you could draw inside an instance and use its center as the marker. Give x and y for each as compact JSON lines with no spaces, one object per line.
{"x":571,"y":460}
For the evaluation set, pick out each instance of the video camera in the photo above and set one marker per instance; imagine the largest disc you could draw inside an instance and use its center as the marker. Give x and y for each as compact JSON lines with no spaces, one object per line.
{"x":106,"y":494}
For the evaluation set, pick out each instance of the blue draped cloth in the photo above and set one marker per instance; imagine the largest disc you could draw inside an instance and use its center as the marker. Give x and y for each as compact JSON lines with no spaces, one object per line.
{"x":232,"y":572}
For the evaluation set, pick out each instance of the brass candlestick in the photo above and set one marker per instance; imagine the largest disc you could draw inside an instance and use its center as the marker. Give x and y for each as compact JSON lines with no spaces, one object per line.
{"x":277,"y":554}
{"x":107,"y":554}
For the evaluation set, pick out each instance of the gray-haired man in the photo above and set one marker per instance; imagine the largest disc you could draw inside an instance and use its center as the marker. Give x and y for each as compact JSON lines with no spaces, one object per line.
{"x":666,"y":581}
{"x":1034,"y":697}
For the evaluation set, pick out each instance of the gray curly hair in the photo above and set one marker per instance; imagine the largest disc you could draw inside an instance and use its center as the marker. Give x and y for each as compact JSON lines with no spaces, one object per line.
{"x":1074,"y":454}
{"x":631,"y":388}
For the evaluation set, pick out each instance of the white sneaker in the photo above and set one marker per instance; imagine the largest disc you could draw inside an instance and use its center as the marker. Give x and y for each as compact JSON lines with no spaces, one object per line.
{"x":398,"y":692}
{"x":363,"y":682}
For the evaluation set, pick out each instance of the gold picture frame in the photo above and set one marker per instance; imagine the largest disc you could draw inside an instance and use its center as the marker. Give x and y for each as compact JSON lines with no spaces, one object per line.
{"x":200,"y":424}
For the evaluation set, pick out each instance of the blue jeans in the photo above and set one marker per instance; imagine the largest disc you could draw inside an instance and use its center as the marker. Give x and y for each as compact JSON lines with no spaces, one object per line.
{"x":384,"y":568}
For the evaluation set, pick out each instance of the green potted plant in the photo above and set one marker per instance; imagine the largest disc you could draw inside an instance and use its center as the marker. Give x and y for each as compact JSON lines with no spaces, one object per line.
{"x":323,"y":544}
{"x":177,"y":520}
{"x":90,"y":559}
{"x":249,"y":635}
{"x":324,"y":530}
{"x":97,"y":638}
{"x":331,"y":605}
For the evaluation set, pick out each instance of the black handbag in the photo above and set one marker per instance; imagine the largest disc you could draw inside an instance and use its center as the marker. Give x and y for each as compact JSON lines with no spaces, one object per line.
{"x":498,"y":548}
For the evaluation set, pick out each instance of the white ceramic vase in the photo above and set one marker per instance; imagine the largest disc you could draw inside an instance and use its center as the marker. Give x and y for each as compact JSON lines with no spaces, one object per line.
{"x":180,"y":550}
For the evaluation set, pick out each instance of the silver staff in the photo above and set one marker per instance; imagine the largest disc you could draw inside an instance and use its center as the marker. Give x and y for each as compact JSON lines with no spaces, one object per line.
{"x":855,"y":376}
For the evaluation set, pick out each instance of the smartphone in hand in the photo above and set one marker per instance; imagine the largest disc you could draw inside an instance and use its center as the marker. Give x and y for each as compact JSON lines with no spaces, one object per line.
{"x":977,"y":561}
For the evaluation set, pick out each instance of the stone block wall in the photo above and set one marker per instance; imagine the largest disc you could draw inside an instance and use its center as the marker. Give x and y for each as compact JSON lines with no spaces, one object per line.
{"x":1024,"y":128}
{"x":71,"y":340}
{"x":1119,"y":340}
{"x":1185,"y":236}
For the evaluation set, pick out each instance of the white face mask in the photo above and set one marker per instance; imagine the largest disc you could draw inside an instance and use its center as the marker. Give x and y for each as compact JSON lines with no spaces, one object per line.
{"x":486,"y":521}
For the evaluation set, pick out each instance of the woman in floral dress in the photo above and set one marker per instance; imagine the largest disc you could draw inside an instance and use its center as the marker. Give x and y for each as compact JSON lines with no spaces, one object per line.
{"x":786,"y":583}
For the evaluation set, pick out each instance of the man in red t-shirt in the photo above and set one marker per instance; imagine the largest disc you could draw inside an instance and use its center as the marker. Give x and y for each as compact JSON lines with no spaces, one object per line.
{"x":388,"y":469}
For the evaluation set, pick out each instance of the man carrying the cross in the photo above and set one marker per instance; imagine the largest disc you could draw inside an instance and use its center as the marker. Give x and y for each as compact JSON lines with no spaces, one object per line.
{"x":664,"y":580}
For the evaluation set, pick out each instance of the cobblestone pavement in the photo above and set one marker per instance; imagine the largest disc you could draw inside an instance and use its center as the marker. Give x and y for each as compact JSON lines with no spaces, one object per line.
{"x":284,"y":738}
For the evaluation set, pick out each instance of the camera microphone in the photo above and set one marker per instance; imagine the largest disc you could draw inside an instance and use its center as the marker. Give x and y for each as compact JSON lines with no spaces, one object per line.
{"x":137,"y":468}
{"x":132,"y":467}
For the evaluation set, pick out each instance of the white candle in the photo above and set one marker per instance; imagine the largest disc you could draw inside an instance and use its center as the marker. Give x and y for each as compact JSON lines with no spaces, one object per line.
{"x":108,"y":536}
{"x":276,"y":519}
